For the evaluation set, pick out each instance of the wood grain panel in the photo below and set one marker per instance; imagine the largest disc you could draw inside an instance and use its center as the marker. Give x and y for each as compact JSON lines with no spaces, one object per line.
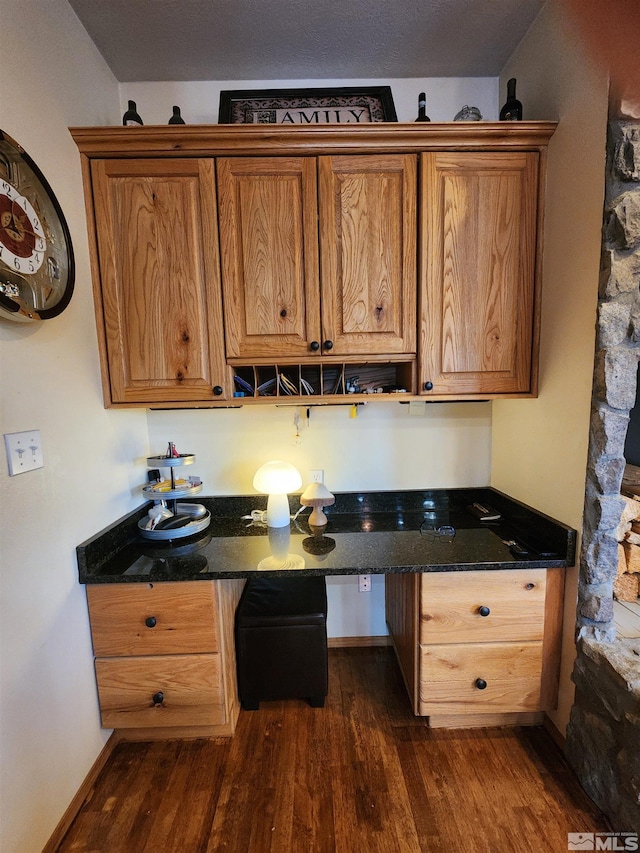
{"x":476,"y":721}
{"x":448,"y":676}
{"x":401,"y":605}
{"x":160,"y":279}
{"x":450,"y":602}
{"x":368,"y":250}
{"x":186,"y":615}
{"x":478,"y":270}
{"x":552,"y":648}
{"x":228,"y":593}
{"x":191,"y":686}
{"x":269,"y":249}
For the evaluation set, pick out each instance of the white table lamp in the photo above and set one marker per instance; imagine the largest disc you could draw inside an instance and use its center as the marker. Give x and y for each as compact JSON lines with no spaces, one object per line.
{"x":277,"y":479}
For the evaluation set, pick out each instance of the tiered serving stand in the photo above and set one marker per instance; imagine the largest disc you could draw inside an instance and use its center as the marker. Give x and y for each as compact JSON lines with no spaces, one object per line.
{"x":198,"y":516}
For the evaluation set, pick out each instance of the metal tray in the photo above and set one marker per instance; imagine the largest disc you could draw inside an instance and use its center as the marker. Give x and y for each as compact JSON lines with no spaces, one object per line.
{"x":171,"y":461}
{"x":189,"y":492}
{"x":197,"y":525}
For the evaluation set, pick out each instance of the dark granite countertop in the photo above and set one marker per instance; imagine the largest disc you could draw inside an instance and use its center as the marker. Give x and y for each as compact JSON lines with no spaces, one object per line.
{"x":367,"y":533}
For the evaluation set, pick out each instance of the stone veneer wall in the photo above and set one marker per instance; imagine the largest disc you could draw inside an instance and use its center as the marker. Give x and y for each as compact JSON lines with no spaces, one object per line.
{"x":603,"y":735}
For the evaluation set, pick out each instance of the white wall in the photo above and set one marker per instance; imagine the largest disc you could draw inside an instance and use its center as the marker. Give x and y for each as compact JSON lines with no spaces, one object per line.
{"x":383,"y":448}
{"x":540,"y":446}
{"x":51,"y":76}
{"x":199,"y":100}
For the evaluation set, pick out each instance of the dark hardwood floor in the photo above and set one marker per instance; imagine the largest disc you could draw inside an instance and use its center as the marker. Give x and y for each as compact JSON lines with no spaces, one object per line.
{"x":362,"y":775}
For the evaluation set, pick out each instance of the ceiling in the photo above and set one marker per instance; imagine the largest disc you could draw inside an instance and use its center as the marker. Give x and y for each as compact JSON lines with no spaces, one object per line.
{"x":160,"y":40}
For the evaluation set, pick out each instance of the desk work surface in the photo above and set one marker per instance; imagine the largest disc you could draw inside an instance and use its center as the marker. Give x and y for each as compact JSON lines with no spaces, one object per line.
{"x":366,"y":533}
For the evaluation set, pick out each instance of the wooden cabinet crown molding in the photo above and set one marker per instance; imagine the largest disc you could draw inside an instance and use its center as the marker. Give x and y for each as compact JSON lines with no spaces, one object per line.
{"x":390,"y":137}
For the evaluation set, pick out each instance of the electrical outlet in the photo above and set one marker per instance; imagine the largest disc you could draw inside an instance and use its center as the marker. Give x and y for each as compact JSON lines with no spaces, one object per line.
{"x":24,"y":451}
{"x":364,"y":583}
{"x":316,"y":475}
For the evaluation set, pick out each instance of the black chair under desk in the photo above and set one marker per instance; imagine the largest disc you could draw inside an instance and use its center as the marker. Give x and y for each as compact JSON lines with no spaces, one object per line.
{"x":281,"y":640}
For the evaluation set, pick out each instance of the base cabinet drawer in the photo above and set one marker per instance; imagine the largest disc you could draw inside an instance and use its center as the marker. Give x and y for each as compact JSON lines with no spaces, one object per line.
{"x":480,"y":677}
{"x":153,"y":619}
{"x":159,"y":691}
{"x":484,"y":606}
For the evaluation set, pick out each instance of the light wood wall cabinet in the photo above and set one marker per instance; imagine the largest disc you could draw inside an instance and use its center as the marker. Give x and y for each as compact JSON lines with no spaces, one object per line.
{"x":165,"y":657}
{"x":159,"y":302}
{"x":279,"y":300}
{"x":269,"y":243}
{"x":478,"y":647}
{"x":404,"y":254}
{"x":478,"y":272}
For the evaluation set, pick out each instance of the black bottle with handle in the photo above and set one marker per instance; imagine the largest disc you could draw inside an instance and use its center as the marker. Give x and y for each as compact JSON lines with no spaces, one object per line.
{"x":176,"y":118}
{"x":512,"y":109}
{"x":422,"y":108}
{"x":131,"y":117}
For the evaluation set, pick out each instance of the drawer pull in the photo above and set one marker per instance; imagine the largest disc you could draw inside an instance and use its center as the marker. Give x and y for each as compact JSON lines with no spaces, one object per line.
{"x":529,"y":586}
{"x":158,"y":698}
{"x":150,"y":621}
{"x":484,"y":611}
{"x":480,"y":684}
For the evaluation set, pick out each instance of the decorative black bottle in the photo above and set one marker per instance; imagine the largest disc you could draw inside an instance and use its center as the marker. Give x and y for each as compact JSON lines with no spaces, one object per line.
{"x":131,"y":117}
{"x":176,"y":118}
{"x":512,"y":110}
{"x":422,"y":108}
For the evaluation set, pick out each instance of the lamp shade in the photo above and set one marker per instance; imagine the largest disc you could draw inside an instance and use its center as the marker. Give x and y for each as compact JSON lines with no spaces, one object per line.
{"x":317,"y":495}
{"x":277,"y":479}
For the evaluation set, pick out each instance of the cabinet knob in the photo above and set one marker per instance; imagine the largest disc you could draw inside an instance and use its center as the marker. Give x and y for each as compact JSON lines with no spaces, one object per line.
{"x":428,"y":386}
{"x":217,"y":390}
{"x":481,"y":683}
{"x":314,"y":346}
{"x":328,"y":344}
{"x":150,"y":621}
{"x":484,"y":611}
{"x":529,"y":586}
{"x":158,"y":698}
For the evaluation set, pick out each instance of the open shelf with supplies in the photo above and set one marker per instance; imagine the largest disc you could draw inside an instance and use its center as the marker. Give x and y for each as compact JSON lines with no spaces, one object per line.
{"x":330,"y":379}
{"x":181,"y":519}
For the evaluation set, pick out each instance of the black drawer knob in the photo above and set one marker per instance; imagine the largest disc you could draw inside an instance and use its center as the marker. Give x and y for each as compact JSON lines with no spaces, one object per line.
{"x":530,"y":586}
{"x":217,"y":390}
{"x":150,"y":621}
{"x":158,"y":698}
{"x":314,"y":346}
{"x":481,"y":683}
{"x":328,"y":344}
{"x":428,"y":386}
{"x":484,"y":611}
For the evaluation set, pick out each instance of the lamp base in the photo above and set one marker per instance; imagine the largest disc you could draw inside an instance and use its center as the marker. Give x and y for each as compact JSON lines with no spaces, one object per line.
{"x":278,"y":512}
{"x":317,"y":517}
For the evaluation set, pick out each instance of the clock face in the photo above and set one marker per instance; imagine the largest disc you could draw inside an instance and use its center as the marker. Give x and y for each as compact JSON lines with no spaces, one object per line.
{"x":36,"y":255}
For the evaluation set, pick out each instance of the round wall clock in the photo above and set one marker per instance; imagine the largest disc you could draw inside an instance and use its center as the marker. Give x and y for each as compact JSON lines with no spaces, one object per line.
{"x":36,"y":256}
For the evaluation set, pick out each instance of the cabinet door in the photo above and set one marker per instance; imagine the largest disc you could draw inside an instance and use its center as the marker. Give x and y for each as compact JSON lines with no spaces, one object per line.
{"x":478,"y":271}
{"x":160,"y":279}
{"x":368,"y":253}
{"x":269,"y":248}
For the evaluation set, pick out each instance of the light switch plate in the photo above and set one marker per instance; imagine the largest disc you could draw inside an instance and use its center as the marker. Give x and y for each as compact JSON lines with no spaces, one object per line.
{"x":24,"y":451}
